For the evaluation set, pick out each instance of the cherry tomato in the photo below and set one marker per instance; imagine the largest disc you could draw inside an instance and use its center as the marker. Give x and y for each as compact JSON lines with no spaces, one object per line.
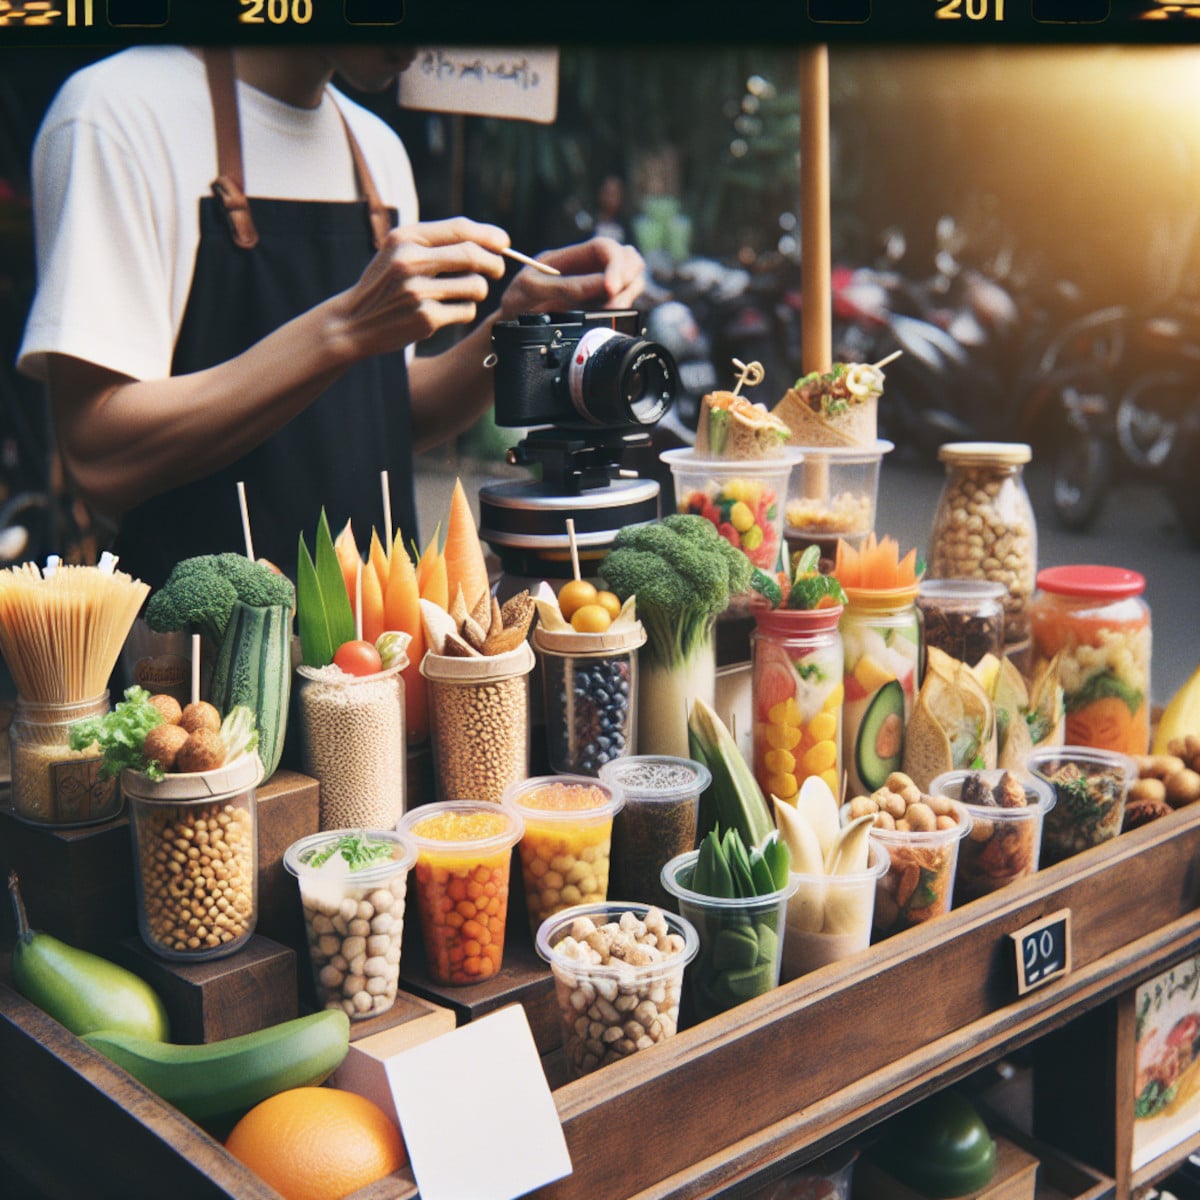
{"x":358,"y":658}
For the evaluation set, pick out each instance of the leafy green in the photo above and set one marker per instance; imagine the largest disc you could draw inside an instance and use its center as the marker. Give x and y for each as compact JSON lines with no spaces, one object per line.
{"x":727,"y":870}
{"x":323,"y":613}
{"x":120,"y":733}
{"x":357,"y":849}
{"x":1101,"y":686}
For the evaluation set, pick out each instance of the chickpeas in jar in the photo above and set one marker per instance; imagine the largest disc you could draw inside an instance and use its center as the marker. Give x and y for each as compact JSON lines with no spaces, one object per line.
{"x":984,"y":527}
{"x":1095,"y":626}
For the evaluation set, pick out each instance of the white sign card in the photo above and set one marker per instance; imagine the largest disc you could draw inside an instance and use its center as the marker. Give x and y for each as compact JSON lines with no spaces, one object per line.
{"x":483,"y":1082}
{"x":484,"y":82}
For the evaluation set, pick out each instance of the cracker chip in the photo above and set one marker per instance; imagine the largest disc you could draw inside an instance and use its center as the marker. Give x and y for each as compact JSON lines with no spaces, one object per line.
{"x":503,"y":641}
{"x":456,"y":647}
{"x":518,"y":610}
{"x":438,"y":624}
{"x":481,"y":614}
{"x":497,"y":618}
{"x":474,"y":634}
{"x":458,"y":608}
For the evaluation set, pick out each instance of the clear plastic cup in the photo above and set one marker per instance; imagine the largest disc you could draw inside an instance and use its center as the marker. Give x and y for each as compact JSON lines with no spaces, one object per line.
{"x":658,"y":821}
{"x":741,"y":940}
{"x":464,"y":855}
{"x":919,"y":882}
{"x":354,"y":916}
{"x":743,"y":499}
{"x":829,"y":916}
{"x":1004,"y":844}
{"x":195,"y":855}
{"x":567,"y":845}
{"x":829,"y":1177}
{"x":624,"y":1003}
{"x":1088,"y":811}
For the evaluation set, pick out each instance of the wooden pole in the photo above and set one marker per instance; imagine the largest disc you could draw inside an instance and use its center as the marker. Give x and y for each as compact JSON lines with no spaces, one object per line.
{"x":816,"y":266}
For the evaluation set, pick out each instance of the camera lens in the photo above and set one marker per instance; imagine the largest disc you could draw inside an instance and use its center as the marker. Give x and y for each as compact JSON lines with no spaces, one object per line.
{"x":617,"y":380}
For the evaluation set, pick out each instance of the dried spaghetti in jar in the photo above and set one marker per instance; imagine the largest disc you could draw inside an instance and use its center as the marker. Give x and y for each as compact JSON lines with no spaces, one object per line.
{"x":1093,"y":620}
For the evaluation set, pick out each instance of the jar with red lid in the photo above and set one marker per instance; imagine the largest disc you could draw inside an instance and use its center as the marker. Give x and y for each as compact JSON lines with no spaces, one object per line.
{"x":797,"y":692}
{"x":1093,"y":622}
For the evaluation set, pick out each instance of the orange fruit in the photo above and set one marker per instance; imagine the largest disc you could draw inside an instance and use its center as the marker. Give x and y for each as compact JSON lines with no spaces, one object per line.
{"x":590,"y":618}
{"x":575,"y":594}
{"x":317,"y":1143}
{"x":610,"y":602}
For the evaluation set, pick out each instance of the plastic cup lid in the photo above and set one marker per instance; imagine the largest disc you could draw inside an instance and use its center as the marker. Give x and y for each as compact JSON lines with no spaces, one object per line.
{"x":1011,"y":454}
{"x":1091,"y":581}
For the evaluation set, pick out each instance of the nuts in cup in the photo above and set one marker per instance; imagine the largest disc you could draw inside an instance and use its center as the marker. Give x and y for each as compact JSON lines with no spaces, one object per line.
{"x":618,"y":978}
{"x":353,"y":885}
{"x":464,"y":853}
{"x":567,"y":845}
{"x":921,"y":834}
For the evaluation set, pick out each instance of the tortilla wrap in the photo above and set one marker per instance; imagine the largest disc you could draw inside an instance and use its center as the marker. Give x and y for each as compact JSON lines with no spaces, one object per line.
{"x":953,"y":722}
{"x":857,"y":425}
{"x":746,"y":431}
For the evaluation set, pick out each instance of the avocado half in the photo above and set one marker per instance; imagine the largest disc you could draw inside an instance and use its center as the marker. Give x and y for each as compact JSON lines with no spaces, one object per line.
{"x":940,"y":1147}
{"x":879,"y":747}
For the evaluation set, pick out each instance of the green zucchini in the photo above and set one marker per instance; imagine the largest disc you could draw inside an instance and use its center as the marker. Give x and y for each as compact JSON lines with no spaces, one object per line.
{"x":215,"y":1083}
{"x":254,"y":668}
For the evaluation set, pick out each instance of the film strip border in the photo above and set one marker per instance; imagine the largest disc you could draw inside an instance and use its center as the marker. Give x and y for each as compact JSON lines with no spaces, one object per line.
{"x":678,"y":22}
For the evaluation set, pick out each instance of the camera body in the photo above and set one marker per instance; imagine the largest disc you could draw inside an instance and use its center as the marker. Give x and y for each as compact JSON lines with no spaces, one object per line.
{"x":581,"y":371}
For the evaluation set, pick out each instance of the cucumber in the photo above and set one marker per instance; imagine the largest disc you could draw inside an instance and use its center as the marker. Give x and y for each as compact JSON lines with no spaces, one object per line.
{"x":215,"y":1084}
{"x":81,"y":990}
{"x":254,"y":668}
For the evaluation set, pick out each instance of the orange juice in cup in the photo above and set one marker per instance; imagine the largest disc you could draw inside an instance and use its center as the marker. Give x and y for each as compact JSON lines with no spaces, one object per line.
{"x":464,"y":851}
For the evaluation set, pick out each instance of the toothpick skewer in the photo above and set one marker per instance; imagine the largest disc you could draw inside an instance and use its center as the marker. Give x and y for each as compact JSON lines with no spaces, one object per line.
{"x":883,"y":362}
{"x":241,"y":491}
{"x":748,"y":374}
{"x":517,"y":256}
{"x":574,"y":547}
{"x":387,"y":510}
{"x":195,"y":667}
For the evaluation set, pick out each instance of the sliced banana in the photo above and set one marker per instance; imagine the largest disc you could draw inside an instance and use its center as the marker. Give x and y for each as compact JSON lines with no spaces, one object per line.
{"x":627,"y":616}
{"x":799,"y":838}
{"x":550,"y":615}
{"x":818,"y":806}
{"x":849,"y":853}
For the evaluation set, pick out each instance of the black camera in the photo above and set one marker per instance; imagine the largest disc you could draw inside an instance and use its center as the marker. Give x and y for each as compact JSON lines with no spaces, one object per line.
{"x":581,"y":371}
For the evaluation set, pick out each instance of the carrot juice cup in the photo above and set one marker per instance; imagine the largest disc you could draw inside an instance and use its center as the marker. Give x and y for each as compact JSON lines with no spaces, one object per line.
{"x":464,"y":851}
{"x":567,"y":844}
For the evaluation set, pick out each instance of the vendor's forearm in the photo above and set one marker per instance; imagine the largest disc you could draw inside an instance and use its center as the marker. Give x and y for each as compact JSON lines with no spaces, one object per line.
{"x":125,"y":441}
{"x":451,"y":390}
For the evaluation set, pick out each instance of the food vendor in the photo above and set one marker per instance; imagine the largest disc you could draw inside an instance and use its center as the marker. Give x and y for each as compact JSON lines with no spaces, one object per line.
{"x":191,"y":338}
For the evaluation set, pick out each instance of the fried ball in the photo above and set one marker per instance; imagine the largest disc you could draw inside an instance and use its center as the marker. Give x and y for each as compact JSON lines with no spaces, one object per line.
{"x":168,"y":706}
{"x":200,"y":715}
{"x":163,"y":743}
{"x":203,"y":751}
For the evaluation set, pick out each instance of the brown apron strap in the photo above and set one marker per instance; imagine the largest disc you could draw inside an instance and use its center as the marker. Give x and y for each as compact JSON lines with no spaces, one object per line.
{"x":229,"y":186}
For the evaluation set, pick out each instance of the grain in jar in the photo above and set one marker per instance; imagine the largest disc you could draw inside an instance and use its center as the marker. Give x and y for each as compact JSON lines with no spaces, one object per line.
{"x":352,"y":728}
{"x":984,"y":526}
{"x":479,"y":722}
{"x":195,"y":857}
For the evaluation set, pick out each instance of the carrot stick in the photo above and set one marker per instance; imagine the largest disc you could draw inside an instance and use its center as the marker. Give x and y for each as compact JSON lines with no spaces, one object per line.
{"x":346,"y":549}
{"x":377,"y":556}
{"x":465,"y":563}
{"x":372,"y":604}
{"x":402,"y":611}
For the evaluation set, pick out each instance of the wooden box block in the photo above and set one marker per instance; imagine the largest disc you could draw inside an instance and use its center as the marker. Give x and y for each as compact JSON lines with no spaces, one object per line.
{"x":288,"y":809}
{"x":77,"y":883}
{"x":1015,"y":1178}
{"x":409,"y":1022}
{"x":207,"y":1001}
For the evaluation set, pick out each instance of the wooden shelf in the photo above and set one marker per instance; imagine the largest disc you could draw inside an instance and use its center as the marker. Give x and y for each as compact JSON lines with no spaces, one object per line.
{"x":728,"y":1104}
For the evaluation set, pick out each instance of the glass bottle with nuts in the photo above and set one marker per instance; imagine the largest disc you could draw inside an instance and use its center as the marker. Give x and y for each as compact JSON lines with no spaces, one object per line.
{"x":984,"y":527}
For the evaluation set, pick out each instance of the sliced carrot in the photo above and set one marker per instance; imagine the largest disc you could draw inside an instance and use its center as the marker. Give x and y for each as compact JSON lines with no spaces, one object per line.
{"x":377,"y":556}
{"x":437,"y":586}
{"x":402,"y":611}
{"x":346,"y":549}
{"x":372,"y":604}
{"x":425,"y":558}
{"x":465,"y":563}
{"x":1107,"y":724}
{"x":907,"y":572}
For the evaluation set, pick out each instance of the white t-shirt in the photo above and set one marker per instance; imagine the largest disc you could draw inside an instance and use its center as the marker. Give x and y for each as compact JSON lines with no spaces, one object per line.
{"x":122,"y":158}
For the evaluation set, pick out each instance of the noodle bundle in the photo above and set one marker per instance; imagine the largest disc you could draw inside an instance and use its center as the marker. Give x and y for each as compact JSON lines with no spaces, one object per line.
{"x":61,"y":631}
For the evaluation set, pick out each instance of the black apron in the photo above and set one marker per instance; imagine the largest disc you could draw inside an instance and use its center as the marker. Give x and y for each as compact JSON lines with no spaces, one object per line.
{"x":257,"y":268}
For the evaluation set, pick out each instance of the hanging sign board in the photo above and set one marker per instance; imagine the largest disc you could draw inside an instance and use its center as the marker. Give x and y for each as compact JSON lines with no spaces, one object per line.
{"x":484,"y":82}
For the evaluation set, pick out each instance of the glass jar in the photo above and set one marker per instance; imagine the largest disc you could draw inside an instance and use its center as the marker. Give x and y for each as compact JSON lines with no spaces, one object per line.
{"x":963,"y":617}
{"x":1093,"y":621}
{"x":984,"y":526}
{"x":881,"y":635}
{"x":479,"y":722}
{"x":589,"y":687}
{"x":352,"y":730}
{"x":195,"y":857}
{"x":797,"y":662}
{"x":51,"y":783}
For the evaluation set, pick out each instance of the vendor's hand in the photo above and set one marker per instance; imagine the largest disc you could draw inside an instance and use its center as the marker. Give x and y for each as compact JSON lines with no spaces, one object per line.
{"x":601,"y":273}
{"x":425,"y":276}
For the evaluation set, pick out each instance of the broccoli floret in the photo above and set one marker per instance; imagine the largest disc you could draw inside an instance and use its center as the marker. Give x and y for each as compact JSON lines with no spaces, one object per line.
{"x":682,"y":576}
{"x":200,"y":594}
